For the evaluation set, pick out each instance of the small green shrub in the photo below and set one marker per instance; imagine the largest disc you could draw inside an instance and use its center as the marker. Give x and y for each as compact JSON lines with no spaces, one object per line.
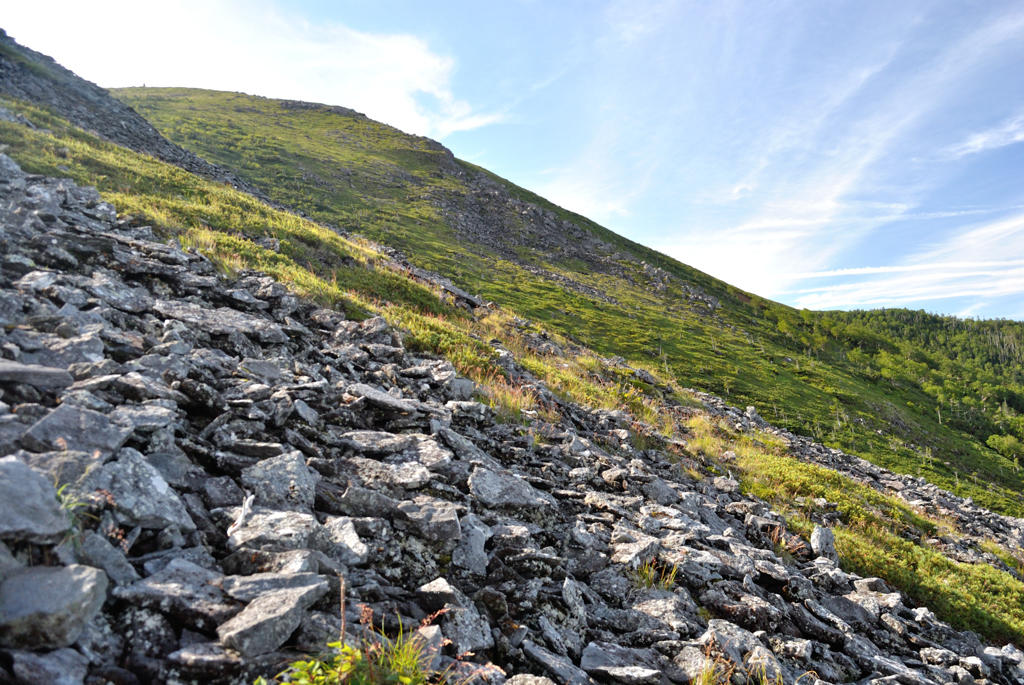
{"x":652,"y":574}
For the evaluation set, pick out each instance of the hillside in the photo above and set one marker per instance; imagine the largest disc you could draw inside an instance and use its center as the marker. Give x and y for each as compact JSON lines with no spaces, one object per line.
{"x":422,"y":457}
{"x":578,"y":279}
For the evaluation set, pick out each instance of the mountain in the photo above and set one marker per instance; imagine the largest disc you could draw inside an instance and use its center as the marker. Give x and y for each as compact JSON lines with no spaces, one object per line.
{"x":494,"y":456}
{"x":876,"y":390}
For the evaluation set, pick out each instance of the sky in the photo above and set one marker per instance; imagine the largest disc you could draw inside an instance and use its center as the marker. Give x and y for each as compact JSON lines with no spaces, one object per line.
{"x":828,"y":155}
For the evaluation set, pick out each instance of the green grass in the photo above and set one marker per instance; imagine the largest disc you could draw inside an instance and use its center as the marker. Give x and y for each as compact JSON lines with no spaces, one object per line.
{"x":371,"y":179}
{"x":872,"y":541}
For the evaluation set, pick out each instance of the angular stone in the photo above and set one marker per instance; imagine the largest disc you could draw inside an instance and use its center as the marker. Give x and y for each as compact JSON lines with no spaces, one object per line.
{"x":71,"y":428}
{"x":184,"y":591}
{"x":608,"y":660}
{"x":465,"y":627}
{"x":498,"y":490}
{"x":118,"y":295}
{"x":559,"y":666}
{"x":470,"y":553}
{"x":283,"y":482}
{"x":248,"y":588}
{"x":675,"y":610}
{"x":64,"y":467}
{"x":281,"y":529}
{"x":141,"y":495}
{"x":382,"y":400}
{"x":433,"y":519}
{"x":42,"y":377}
{"x":729,"y":640}
{"x":342,"y":541}
{"x":269,"y":620}
{"x":29,"y":509}
{"x":635,"y":553}
{"x":96,"y":551}
{"x":143,"y":418}
{"x":377,"y":443}
{"x":823,"y":542}
{"x":222,"y":321}
{"x":59,"y":667}
{"x":48,"y":607}
{"x":435,"y":594}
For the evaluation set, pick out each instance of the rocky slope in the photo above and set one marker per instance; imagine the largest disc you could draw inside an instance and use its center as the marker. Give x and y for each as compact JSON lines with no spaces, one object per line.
{"x":31,"y":76}
{"x":149,"y":394}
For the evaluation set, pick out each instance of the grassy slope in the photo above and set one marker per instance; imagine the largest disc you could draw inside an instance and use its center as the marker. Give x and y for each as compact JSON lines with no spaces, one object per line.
{"x":339,"y":271}
{"x":372,"y":179}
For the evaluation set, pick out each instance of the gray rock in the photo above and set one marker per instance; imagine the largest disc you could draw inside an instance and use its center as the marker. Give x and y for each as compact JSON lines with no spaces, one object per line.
{"x":59,"y":667}
{"x":71,"y":428}
{"x":8,"y":564}
{"x":47,"y":607}
{"x":560,"y":667}
{"x":435,"y":594}
{"x":527,"y":679}
{"x":283,"y":482}
{"x":97,"y":552}
{"x":269,"y":620}
{"x":676,"y":611}
{"x":248,"y":588}
{"x":470,"y":553}
{"x":114,"y":292}
{"x":643,"y":548}
{"x":29,"y":509}
{"x":142,"y":417}
{"x":498,"y":490}
{"x":377,"y":443}
{"x":222,"y":321}
{"x":729,"y":640}
{"x":342,"y":541}
{"x":37,"y":376}
{"x":433,"y":519}
{"x":184,"y":591}
{"x":382,"y":400}
{"x":606,"y":660}
{"x":141,"y":495}
{"x":463,"y":624}
{"x":823,"y":542}
{"x":64,"y":467}
{"x":280,"y":529}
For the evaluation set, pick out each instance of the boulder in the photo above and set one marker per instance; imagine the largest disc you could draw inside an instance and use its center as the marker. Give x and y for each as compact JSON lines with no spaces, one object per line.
{"x":59,"y":667}
{"x":283,"y":482}
{"x":184,"y":591}
{"x":505,"y":491}
{"x":29,"y":509}
{"x":48,"y":607}
{"x":72,"y":428}
{"x":141,"y":495}
{"x":270,"y":619}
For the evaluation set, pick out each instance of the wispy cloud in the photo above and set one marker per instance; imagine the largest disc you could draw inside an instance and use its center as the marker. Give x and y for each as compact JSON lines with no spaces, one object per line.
{"x":1007,"y":133}
{"x":258,"y":47}
{"x":962,"y":267}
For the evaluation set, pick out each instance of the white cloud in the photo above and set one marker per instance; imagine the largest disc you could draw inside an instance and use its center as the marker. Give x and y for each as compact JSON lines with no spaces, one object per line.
{"x":259,"y":48}
{"x":967,"y":265}
{"x":1007,"y":133}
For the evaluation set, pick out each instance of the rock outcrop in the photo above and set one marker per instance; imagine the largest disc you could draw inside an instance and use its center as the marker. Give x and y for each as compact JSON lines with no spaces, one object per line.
{"x":164,"y":395}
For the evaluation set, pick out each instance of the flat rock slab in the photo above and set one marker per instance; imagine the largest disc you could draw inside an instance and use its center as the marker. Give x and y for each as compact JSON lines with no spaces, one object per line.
{"x":59,"y":667}
{"x":375,"y":443}
{"x":559,"y":666}
{"x":71,"y":428}
{"x":141,"y":495}
{"x":48,"y":607}
{"x":269,"y":620}
{"x":96,"y":551}
{"x":433,"y":519}
{"x":382,"y":400}
{"x":249,"y":588}
{"x":143,"y":417}
{"x":37,"y":376}
{"x":29,"y":509}
{"x":65,"y":467}
{"x":222,"y":321}
{"x":281,"y":529}
{"x":499,"y":490}
{"x":183,"y":591}
{"x":282,"y":482}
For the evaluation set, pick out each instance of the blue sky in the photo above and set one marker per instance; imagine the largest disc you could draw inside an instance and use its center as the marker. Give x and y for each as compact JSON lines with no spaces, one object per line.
{"x":824,"y":154}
